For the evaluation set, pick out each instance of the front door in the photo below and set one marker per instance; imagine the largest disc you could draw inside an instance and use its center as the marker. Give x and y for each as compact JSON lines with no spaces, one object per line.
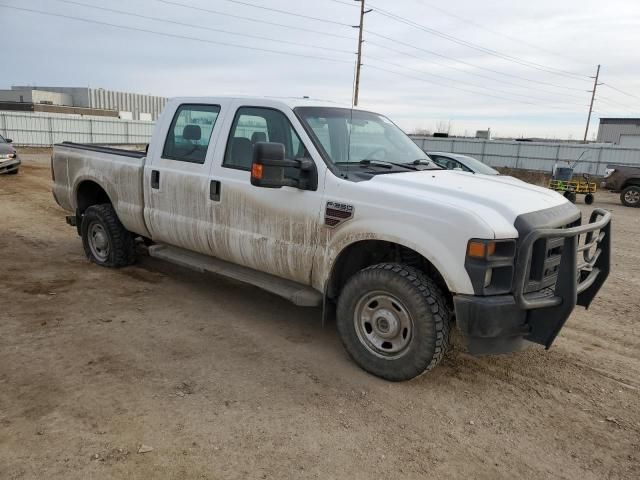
{"x":274,"y":230}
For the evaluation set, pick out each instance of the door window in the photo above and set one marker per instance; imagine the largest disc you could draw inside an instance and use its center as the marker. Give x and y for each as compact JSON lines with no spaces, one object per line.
{"x":190,"y":133}
{"x":252,"y":125}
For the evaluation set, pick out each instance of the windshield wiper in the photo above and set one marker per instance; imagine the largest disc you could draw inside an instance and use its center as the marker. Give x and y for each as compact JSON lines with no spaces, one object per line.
{"x":426,"y":162}
{"x":378,"y":163}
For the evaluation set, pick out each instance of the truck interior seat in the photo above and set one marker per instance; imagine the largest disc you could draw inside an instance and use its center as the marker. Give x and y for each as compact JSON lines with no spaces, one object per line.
{"x":258,"y":137}
{"x":241,"y":152}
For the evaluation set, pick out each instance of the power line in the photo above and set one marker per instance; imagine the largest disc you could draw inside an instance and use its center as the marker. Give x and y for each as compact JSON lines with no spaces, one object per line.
{"x":431,"y":52}
{"x":462,"y":89}
{"x":615,"y":104}
{"x":255,"y":20}
{"x":474,"y":46}
{"x":483,"y":27}
{"x":173,"y":35}
{"x":344,"y":3}
{"x":191,"y":25}
{"x":469,"y":83}
{"x":506,"y":82}
{"x":285,"y":12}
{"x":621,"y":91}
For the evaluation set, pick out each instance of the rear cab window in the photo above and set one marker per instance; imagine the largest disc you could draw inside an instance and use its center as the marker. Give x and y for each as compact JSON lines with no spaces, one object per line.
{"x":190,"y":131}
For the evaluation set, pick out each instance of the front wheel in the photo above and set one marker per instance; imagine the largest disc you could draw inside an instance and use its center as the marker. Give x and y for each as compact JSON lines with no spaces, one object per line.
{"x":589,"y":198}
{"x":393,"y":321}
{"x":630,"y":196}
{"x":105,"y":240}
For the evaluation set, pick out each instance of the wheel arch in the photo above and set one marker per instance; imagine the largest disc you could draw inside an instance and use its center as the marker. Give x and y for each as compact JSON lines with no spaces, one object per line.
{"x":88,"y":192}
{"x":364,"y":253}
{"x":631,"y":182}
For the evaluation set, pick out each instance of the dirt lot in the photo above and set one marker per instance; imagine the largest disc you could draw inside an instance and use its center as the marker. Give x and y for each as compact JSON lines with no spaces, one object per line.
{"x":224,"y":381}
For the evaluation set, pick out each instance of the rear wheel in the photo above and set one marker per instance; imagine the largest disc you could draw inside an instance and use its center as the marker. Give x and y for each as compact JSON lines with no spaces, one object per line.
{"x":588,"y":198}
{"x":393,"y":321}
{"x":630,"y":196}
{"x":105,"y":240}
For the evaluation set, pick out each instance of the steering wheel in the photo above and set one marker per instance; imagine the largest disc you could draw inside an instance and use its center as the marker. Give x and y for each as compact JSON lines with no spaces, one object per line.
{"x":371,"y":154}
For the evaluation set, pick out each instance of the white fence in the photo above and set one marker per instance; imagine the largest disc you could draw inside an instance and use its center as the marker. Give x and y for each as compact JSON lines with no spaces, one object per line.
{"x":539,"y":156}
{"x":44,"y":129}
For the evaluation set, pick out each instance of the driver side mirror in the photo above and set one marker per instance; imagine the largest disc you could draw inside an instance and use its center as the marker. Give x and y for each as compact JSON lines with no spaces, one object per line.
{"x":8,"y":140}
{"x":268,"y":168}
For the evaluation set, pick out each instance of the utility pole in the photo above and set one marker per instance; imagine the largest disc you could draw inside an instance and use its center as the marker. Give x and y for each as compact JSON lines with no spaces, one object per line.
{"x":360,"y":27}
{"x":593,"y":96}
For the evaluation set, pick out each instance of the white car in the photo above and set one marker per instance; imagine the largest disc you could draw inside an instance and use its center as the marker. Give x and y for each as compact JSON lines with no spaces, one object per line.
{"x":321,"y":205}
{"x":464,"y":163}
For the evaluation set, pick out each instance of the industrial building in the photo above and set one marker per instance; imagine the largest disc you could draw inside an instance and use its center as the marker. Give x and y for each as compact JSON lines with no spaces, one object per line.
{"x":84,"y":100}
{"x":624,"y":132}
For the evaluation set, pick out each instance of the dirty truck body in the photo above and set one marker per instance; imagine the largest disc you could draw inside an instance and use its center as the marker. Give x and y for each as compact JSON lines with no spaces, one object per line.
{"x":325,"y":205}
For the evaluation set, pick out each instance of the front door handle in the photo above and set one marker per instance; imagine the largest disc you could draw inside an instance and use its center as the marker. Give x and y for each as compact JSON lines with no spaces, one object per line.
{"x":215,"y":187}
{"x":155,"y":179}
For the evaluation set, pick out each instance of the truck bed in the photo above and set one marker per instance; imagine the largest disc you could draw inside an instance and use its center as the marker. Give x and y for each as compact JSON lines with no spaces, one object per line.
{"x":80,"y":170}
{"x":103,"y":149}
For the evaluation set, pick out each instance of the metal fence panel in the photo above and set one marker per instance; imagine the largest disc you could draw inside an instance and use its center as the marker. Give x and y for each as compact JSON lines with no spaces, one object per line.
{"x":541,"y":156}
{"x":44,"y":129}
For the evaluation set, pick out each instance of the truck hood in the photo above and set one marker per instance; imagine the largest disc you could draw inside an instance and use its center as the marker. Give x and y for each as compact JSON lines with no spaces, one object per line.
{"x":485,"y":195}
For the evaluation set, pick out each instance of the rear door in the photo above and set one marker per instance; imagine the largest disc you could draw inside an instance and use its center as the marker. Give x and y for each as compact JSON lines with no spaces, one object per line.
{"x":178,"y":205}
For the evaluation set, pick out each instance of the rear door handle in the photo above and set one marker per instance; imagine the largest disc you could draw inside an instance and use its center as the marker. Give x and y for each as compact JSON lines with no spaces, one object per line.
{"x":215,"y":188}
{"x":155,"y":179}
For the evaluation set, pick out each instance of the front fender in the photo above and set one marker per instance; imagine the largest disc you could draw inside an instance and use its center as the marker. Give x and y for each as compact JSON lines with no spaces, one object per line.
{"x":445,"y":251}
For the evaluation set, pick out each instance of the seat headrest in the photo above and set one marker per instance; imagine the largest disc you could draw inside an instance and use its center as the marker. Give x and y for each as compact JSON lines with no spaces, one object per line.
{"x":258,"y":137}
{"x":241,"y":151}
{"x":192,"y":132}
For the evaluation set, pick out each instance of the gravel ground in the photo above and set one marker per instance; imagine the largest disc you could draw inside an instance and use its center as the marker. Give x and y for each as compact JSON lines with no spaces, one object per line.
{"x":223,"y":381}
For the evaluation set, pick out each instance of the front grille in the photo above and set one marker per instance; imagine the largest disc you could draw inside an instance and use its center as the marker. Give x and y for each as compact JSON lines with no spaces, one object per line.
{"x":545,"y":262}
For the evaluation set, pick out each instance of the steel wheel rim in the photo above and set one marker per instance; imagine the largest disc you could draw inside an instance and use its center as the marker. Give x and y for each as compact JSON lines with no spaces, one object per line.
{"x":383,"y":324}
{"x":632,"y":196}
{"x":99,"y":241}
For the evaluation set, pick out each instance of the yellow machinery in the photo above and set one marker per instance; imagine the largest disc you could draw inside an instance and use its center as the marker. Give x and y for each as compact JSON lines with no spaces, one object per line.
{"x":562,"y":181}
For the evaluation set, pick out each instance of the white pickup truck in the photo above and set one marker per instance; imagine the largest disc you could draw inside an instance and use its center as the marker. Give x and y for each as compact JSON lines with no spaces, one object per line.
{"x":326,"y":205}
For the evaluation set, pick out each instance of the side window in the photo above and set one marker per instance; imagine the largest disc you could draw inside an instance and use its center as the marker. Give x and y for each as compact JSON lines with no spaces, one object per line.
{"x":190,"y":132}
{"x":254,"y":124}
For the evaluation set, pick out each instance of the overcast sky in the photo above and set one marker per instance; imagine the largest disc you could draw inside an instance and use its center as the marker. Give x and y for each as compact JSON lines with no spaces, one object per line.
{"x":402,"y":76}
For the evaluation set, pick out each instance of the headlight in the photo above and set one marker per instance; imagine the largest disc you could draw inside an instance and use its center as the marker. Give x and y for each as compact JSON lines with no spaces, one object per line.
{"x":608,"y":172}
{"x":490,"y":265}
{"x":5,"y":156}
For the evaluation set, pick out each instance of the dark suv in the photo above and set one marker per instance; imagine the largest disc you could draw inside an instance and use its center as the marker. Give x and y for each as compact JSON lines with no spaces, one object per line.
{"x":626,"y":180}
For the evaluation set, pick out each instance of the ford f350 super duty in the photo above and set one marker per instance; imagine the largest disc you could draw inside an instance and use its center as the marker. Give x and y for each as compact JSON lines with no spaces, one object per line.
{"x":326,"y":205}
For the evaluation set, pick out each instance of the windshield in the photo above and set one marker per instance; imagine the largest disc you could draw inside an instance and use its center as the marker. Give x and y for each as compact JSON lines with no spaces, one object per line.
{"x":2,"y":140}
{"x":351,"y":136}
{"x":477,"y":166}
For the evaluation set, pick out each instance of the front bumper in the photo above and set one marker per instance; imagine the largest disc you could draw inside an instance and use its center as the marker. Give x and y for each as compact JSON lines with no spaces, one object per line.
{"x":9,"y":165}
{"x":505,"y":323}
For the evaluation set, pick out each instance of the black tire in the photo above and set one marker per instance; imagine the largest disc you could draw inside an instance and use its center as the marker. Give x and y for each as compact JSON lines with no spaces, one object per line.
{"x":415,"y":294}
{"x":630,"y":196}
{"x":589,"y":198}
{"x":570,"y":196}
{"x":117,"y":246}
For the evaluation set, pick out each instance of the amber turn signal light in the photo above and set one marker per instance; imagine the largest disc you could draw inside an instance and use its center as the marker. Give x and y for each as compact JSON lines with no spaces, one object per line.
{"x":481,"y":249}
{"x":256,"y":171}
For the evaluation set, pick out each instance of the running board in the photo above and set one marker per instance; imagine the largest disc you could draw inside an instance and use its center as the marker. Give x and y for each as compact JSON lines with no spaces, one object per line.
{"x":294,"y":292}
